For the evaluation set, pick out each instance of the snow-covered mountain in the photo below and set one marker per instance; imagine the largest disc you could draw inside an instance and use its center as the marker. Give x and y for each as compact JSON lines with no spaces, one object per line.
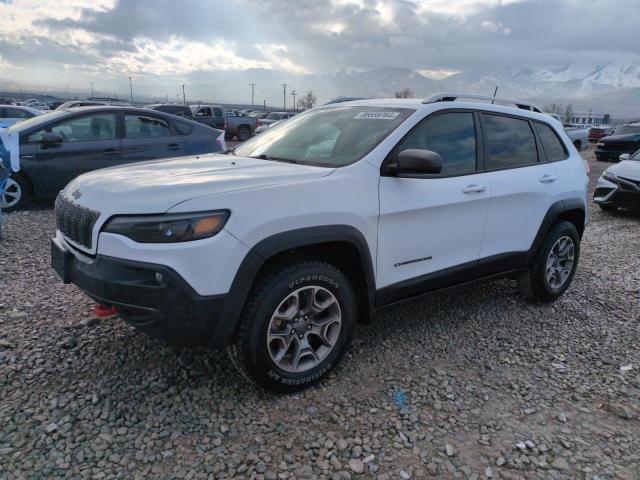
{"x":570,"y":80}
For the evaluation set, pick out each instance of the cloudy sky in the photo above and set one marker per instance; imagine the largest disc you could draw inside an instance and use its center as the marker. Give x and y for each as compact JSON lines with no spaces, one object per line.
{"x":164,"y":43}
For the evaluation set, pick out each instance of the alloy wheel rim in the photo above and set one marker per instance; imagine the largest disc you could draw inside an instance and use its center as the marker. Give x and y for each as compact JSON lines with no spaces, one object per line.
{"x":11,"y":194}
{"x":560,"y":262}
{"x":304,"y":329}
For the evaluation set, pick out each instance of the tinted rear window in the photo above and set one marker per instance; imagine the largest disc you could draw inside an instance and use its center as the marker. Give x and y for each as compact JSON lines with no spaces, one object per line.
{"x":551,"y":143}
{"x":183,"y":128}
{"x":510,"y":142}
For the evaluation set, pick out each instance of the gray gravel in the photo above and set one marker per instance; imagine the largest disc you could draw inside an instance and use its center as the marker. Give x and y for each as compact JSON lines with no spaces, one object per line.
{"x":470,"y":383}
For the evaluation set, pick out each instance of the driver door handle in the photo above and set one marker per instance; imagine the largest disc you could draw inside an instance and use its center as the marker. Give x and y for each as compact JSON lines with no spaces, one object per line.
{"x":547,"y":179}
{"x":474,"y":189}
{"x":110,"y":151}
{"x":173,"y":146}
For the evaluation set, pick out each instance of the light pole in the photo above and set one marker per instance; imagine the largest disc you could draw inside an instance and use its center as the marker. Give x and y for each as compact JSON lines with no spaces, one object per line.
{"x":184,"y":97}
{"x":284,"y":96}
{"x":252,"y":86}
{"x":131,"y":89}
{"x":293,"y":94}
{"x":91,"y":89}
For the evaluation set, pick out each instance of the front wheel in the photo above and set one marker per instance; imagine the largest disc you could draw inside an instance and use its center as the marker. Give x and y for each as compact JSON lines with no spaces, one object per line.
{"x":15,"y":195}
{"x":244,"y":133}
{"x":554,"y":266}
{"x":296,"y":326}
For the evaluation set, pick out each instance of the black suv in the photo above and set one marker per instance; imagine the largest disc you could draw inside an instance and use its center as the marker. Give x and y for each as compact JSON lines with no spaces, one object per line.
{"x":625,"y":139}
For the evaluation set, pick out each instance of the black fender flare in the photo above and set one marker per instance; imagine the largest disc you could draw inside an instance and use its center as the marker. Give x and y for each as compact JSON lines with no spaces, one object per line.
{"x":553,"y":213}
{"x":282,"y":242}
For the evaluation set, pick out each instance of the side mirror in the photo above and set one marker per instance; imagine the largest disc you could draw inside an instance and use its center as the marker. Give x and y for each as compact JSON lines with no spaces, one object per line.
{"x":624,"y":156}
{"x":418,"y":161}
{"x":50,"y":139}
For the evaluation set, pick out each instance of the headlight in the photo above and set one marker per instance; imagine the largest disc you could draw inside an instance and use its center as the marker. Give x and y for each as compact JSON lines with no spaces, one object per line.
{"x":168,"y":228}
{"x":610,"y":176}
{"x":599,"y":144}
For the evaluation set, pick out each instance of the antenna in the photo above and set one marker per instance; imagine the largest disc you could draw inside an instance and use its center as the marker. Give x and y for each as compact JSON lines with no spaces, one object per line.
{"x":495,"y":92}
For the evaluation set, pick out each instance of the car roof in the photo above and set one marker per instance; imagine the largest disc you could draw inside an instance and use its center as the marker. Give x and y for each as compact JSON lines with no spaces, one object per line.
{"x":419,"y":104}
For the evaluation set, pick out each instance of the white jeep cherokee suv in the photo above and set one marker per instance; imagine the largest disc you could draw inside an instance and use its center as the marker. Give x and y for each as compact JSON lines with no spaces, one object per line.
{"x":277,"y":249}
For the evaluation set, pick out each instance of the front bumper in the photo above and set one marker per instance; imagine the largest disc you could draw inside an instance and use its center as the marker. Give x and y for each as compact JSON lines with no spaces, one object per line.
{"x":153,"y":298}
{"x":620,"y":193}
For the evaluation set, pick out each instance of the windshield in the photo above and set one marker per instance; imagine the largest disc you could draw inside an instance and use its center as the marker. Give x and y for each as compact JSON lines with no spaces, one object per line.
{"x":626,"y":130}
{"x":274,"y":116}
{"x":635,"y":156}
{"x":25,"y":124}
{"x":329,"y":137}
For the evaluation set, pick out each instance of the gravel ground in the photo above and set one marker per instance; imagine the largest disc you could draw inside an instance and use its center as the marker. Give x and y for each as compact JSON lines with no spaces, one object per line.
{"x":470,"y":383}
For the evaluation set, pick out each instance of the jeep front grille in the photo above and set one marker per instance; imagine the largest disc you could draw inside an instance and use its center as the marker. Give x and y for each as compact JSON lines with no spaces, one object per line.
{"x":75,"y":221}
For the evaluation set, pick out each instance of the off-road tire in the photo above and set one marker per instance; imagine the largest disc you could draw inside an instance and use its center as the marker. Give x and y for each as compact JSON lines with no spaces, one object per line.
{"x":249,"y":353}
{"x":533,"y":282}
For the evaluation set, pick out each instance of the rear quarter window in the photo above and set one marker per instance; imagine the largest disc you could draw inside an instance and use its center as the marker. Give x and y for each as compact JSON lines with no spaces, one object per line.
{"x":552,"y":145}
{"x":183,"y":128}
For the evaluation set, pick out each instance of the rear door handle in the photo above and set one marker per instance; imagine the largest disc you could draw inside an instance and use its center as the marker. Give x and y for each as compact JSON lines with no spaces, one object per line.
{"x":110,"y":151}
{"x":547,"y":179}
{"x":173,"y":146}
{"x":474,"y":189}
{"x":27,"y":157}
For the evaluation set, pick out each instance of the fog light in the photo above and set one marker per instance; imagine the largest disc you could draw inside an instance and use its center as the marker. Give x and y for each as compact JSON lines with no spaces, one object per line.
{"x":159,"y":277}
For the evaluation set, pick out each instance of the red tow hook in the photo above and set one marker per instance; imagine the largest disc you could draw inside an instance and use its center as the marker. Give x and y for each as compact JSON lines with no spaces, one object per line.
{"x":103,"y":311}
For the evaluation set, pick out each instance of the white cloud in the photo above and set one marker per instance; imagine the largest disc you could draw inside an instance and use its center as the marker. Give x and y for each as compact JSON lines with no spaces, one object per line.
{"x":495,"y":27}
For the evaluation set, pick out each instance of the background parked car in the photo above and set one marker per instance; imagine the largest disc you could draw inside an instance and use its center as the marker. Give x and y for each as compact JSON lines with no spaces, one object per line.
{"x":10,"y":114}
{"x":58,"y":146}
{"x":275,"y":117}
{"x":173,"y":109}
{"x":79,"y":103}
{"x":240,"y":127}
{"x":601,"y":131}
{"x":267,"y":126}
{"x":625,"y":139}
{"x":259,"y":115}
{"x":7,"y":101}
{"x":212,"y":115}
{"x":38,"y":106}
{"x":619,"y":185}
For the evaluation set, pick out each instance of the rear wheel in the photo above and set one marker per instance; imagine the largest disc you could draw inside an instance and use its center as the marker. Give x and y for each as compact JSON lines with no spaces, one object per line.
{"x":244,"y":132}
{"x":608,"y":208}
{"x":295,"y":327}
{"x":554,"y":266}
{"x":16,"y":194}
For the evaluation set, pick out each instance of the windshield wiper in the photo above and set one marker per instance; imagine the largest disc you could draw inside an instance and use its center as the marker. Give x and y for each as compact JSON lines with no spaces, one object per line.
{"x":264,"y":156}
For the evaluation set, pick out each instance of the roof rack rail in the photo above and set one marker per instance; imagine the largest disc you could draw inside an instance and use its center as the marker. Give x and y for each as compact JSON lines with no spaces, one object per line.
{"x":452,"y":97}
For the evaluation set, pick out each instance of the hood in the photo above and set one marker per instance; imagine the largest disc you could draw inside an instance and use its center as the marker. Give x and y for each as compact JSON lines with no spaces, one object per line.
{"x":629,"y":137}
{"x":156,"y":186}
{"x":626,"y":169}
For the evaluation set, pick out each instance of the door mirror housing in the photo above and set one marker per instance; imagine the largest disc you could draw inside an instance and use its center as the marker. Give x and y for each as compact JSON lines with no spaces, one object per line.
{"x":50,"y":139}
{"x":418,"y":161}
{"x":624,"y":156}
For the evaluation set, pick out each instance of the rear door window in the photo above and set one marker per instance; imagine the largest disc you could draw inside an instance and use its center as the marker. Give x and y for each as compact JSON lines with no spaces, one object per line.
{"x":217,"y":112}
{"x":510,"y":142}
{"x":552,"y":145}
{"x":204,"y":112}
{"x":143,"y":126}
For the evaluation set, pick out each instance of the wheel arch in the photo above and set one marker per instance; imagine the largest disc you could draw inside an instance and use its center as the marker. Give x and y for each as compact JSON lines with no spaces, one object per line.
{"x":572,"y":210}
{"x":341,"y":245}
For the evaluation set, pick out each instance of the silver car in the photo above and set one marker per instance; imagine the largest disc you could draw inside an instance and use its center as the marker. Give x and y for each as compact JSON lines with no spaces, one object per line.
{"x":619,"y":185}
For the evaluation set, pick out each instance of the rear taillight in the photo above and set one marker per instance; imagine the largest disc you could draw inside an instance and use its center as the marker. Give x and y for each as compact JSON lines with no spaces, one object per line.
{"x":587,"y":168}
{"x":258,"y":122}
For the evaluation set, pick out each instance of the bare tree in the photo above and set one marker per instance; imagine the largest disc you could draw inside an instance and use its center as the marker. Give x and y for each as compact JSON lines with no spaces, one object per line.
{"x":568,"y":112}
{"x":405,"y":93}
{"x":307,"y":101}
{"x":554,"y":107}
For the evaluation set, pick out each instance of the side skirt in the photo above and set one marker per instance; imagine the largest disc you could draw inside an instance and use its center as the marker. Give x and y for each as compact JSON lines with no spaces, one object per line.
{"x":498,"y":266}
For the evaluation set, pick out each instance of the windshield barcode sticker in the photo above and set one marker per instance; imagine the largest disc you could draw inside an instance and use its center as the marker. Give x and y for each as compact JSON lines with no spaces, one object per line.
{"x":377,"y":115}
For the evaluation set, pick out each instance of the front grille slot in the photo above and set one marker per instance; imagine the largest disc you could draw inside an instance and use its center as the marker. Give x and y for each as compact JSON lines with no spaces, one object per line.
{"x":75,"y":221}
